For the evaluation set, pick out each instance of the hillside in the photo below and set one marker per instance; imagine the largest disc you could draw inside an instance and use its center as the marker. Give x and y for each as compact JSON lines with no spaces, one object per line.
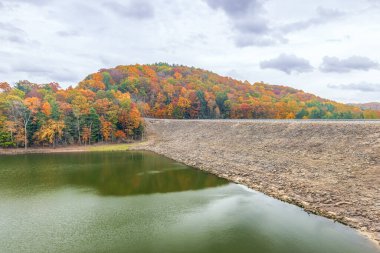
{"x":108,"y":105}
{"x":172,"y":91}
{"x":368,"y":106}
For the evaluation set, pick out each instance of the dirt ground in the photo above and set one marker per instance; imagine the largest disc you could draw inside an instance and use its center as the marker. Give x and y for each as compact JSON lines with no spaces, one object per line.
{"x":16,"y":151}
{"x":330,"y":168}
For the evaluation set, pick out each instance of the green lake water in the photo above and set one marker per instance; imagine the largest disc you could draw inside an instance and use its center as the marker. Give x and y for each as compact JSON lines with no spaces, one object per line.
{"x":141,"y":202}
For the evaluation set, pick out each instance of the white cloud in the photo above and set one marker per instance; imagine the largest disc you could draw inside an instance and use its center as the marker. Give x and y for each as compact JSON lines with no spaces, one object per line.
{"x":53,"y":40}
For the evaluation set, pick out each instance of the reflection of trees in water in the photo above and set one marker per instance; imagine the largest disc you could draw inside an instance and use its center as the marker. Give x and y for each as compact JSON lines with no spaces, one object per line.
{"x":117,"y":174}
{"x":142,"y":174}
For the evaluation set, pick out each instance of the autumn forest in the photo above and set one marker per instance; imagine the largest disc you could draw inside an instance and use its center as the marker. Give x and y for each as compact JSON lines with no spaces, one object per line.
{"x":108,"y":106}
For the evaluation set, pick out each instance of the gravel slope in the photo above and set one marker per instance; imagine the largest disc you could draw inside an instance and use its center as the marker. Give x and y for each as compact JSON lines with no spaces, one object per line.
{"x":331,"y":168}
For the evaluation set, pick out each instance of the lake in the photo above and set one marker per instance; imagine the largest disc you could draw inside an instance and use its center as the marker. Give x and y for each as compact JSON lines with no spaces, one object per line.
{"x":142,"y":202}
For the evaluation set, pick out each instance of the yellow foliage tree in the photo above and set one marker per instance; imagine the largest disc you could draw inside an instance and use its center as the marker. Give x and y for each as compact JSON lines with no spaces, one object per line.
{"x":50,"y":132}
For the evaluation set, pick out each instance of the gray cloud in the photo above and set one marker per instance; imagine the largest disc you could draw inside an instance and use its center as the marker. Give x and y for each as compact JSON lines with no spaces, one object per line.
{"x":374,"y":3}
{"x":263,"y":41}
{"x":334,"y":64}
{"x":3,"y":70}
{"x":137,"y":9}
{"x":5,"y":54}
{"x":55,"y":73}
{"x":256,"y":32}
{"x":253,"y":27}
{"x":257,"y":26}
{"x":363,"y":86}
{"x":10,"y":28}
{"x":64,"y":75}
{"x":235,"y":8}
{"x":81,"y":17}
{"x":248,"y":21}
{"x":29,"y":68}
{"x":287,"y":63}
{"x":324,"y":15}
{"x":16,"y":39}
{"x":34,"y":2}
{"x":68,"y":33}
{"x":12,"y":33}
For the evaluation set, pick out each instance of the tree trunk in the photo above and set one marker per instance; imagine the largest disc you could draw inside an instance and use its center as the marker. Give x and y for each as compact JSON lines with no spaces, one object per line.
{"x":89,"y":139}
{"x":26,"y":137}
{"x":78,"y":125}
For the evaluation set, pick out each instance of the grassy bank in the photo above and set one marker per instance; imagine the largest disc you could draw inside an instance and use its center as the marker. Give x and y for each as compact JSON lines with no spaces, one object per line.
{"x":110,"y":147}
{"x":96,"y":148}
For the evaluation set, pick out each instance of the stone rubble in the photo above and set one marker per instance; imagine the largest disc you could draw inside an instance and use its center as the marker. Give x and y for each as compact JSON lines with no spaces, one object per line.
{"x":329,"y":168}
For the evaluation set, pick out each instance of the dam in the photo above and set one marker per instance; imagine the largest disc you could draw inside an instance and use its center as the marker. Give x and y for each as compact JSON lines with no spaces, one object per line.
{"x":329,"y":168}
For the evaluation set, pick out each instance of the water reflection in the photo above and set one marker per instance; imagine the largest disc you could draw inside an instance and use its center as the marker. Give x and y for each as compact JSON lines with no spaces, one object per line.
{"x":70,"y":203}
{"x":115,"y":174}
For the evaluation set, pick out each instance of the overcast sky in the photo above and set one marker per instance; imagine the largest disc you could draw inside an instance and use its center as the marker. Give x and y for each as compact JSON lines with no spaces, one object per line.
{"x":328,"y":47}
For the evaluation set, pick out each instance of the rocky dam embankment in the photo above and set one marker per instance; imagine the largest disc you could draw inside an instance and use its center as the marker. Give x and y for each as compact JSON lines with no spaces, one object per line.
{"x":330,"y":168}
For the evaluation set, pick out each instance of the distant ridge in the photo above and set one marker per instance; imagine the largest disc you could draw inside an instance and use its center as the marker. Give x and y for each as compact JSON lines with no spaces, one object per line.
{"x":175,"y":91}
{"x":368,"y":106}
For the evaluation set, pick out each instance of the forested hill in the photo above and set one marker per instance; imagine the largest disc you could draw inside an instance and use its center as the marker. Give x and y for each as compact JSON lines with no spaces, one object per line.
{"x":368,"y":106}
{"x":108,"y":105}
{"x":172,"y":91}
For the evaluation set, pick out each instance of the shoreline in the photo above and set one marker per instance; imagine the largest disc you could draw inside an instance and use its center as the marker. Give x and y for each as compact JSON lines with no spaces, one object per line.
{"x":32,"y":150}
{"x":328,"y":168}
{"x":68,"y":149}
{"x":276,"y":195}
{"x":235,"y":170}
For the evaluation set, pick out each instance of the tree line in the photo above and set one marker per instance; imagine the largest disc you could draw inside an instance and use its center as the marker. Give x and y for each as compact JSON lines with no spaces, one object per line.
{"x":37,"y":115}
{"x":173,"y":91}
{"x":108,"y":106}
